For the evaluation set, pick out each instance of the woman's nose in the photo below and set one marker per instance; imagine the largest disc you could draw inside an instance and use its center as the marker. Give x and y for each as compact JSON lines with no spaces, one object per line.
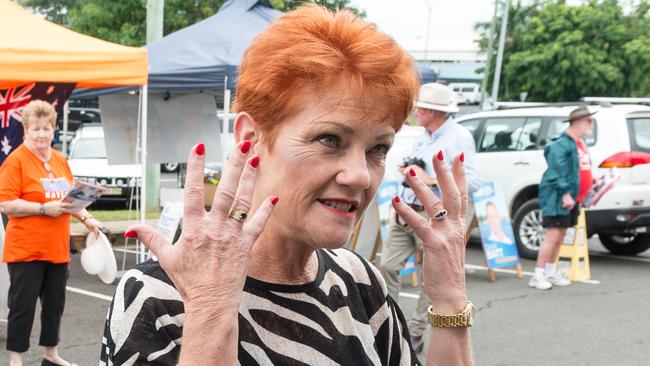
{"x":354,"y":172}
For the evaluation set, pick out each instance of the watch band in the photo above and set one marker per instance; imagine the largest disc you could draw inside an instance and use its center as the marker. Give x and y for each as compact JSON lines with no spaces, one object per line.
{"x":84,"y":218}
{"x":462,"y":319}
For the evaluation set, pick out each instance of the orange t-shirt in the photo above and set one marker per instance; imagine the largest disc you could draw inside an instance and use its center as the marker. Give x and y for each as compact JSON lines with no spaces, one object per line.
{"x":35,"y":237}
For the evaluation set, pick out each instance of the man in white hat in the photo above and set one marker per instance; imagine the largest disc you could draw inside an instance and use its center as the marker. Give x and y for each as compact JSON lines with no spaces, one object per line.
{"x":443,"y":138}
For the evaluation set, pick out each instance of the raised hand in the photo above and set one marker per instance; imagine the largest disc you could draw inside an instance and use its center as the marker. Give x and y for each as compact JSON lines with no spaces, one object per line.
{"x":209,"y":262}
{"x":442,"y":234}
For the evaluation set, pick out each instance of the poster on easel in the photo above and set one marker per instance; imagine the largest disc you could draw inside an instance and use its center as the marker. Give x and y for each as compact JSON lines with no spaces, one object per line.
{"x":573,"y":261}
{"x":494,"y":224}
{"x":387,"y":190}
{"x":372,"y":228}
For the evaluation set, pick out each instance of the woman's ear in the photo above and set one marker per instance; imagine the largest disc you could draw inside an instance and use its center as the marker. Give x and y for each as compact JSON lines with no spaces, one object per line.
{"x":245,"y":128}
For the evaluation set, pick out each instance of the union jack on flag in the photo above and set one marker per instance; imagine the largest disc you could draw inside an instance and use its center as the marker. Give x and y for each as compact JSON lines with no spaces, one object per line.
{"x":14,"y":100}
{"x":12,"y":103}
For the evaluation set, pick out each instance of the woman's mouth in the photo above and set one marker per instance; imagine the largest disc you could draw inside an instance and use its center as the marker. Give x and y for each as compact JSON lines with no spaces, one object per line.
{"x":341,"y":207}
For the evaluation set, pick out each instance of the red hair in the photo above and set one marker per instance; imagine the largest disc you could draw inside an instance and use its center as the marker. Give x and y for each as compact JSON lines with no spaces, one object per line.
{"x":311,"y":46}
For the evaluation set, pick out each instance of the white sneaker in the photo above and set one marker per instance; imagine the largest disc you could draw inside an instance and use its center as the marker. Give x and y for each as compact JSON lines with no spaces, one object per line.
{"x":540,"y":283}
{"x":558,"y":281}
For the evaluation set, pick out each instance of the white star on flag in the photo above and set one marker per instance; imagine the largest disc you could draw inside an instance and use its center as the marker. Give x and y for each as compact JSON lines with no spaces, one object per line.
{"x":6,"y":148}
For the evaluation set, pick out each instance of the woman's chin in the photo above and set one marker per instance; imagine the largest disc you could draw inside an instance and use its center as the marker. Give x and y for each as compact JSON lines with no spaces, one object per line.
{"x":334,"y":240}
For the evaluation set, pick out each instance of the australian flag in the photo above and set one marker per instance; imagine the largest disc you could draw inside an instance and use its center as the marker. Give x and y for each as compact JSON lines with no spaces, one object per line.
{"x":14,"y":100}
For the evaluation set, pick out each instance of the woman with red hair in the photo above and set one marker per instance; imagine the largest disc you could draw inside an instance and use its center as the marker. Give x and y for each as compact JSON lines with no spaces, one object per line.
{"x":262,"y":278}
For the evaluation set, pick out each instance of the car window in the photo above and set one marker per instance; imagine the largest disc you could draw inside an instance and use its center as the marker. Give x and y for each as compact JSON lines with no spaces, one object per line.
{"x":502,"y":134}
{"x":468,"y":89}
{"x":92,"y":148}
{"x":640,"y":133}
{"x":472,"y":126}
{"x":557,"y":126}
{"x":528,"y":134}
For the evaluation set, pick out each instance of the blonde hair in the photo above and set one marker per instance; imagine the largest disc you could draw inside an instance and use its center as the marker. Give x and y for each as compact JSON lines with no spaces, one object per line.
{"x":38,"y":109}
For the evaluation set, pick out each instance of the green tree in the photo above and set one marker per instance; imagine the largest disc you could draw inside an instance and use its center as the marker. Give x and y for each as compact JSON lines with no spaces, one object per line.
{"x":557,"y":52}
{"x":124,"y":21}
{"x":56,"y":11}
{"x":286,"y":5}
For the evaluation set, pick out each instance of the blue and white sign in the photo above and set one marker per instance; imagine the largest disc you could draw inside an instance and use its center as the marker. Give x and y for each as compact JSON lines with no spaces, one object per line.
{"x":497,"y":236}
{"x":387,"y":190}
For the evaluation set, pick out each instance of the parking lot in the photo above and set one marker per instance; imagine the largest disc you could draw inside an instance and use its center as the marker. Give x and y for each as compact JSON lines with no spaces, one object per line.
{"x":603,"y":322}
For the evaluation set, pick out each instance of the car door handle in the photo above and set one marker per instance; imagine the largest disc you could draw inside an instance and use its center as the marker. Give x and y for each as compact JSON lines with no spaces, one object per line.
{"x":522,"y":162}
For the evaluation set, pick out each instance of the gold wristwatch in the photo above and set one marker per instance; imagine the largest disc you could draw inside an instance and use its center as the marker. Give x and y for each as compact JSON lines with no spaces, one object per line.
{"x":462,"y":319}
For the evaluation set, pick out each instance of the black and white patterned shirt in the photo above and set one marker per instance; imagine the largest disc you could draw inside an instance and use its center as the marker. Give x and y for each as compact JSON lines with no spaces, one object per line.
{"x":344,"y":317}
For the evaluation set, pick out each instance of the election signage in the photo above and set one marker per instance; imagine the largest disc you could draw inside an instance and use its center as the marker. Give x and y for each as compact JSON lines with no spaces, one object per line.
{"x":495,"y":227}
{"x":573,"y":261}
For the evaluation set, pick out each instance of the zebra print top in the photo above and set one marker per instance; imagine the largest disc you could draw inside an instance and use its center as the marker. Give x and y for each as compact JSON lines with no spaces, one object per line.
{"x":344,"y":317}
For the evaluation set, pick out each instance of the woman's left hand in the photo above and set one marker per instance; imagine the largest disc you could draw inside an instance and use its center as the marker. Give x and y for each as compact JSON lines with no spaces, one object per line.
{"x":93,"y":226}
{"x":443,"y":240}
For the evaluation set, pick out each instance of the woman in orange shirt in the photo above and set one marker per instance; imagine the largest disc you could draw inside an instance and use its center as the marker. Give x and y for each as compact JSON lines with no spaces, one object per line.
{"x":33,"y":179}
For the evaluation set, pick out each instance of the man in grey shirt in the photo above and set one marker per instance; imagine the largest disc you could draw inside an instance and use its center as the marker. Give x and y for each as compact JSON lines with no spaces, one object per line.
{"x":441,"y":135}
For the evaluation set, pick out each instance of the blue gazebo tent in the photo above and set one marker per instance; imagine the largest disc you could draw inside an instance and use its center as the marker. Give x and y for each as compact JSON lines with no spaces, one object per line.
{"x":201,"y":56}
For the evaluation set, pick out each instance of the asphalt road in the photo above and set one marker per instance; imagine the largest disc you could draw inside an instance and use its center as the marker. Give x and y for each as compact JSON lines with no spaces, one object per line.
{"x":605,"y":322}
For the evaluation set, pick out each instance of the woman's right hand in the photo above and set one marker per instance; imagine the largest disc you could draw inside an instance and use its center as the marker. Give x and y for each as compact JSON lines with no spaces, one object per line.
{"x":56,"y":208}
{"x":209,"y":262}
{"x":568,"y":202}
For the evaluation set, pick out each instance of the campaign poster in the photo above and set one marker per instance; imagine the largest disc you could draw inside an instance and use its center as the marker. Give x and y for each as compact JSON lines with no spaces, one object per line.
{"x":387,"y":190}
{"x":495,"y":227}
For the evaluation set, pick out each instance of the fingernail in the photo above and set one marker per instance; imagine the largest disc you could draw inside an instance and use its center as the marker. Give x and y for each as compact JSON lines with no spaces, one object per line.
{"x":396,"y":199}
{"x":440,"y":156}
{"x":245,"y":146}
{"x":255,"y":161}
{"x":462,"y":157}
{"x":200,"y":149}
{"x":132,"y":234}
{"x":412,"y":172}
{"x":274,"y":200}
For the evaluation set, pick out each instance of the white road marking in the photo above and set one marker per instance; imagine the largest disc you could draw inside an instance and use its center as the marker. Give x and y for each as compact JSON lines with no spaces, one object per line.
{"x":475,"y":267}
{"x":512,"y":271}
{"x":409,"y":295}
{"x":89,"y":293}
{"x":402,"y":294}
{"x":168,"y":180}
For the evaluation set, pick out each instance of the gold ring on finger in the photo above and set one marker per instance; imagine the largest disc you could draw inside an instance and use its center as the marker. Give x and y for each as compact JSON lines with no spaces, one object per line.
{"x":439,"y":215}
{"x":238,"y":214}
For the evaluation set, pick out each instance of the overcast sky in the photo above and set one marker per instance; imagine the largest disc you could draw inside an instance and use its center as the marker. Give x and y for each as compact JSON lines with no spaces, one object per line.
{"x":452,"y":21}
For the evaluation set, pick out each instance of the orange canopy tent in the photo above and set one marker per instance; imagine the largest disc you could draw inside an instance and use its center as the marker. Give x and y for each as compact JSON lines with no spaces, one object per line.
{"x":34,"y":49}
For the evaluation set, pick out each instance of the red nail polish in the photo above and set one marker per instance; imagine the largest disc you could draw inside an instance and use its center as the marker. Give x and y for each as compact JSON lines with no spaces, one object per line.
{"x":245,"y":146}
{"x":462,"y":157}
{"x":255,"y":161}
{"x":412,"y":172}
{"x":440,"y":156}
{"x":200,"y":149}
{"x":396,"y":199}
{"x":274,"y":200}
{"x":132,"y":234}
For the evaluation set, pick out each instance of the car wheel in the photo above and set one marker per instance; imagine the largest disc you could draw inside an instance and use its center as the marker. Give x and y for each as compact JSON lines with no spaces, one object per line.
{"x":625,"y":244}
{"x":527,"y":225}
{"x":169,"y":167}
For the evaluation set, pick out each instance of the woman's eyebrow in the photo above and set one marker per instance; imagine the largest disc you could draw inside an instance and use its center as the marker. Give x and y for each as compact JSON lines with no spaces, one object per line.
{"x":347,"y":129}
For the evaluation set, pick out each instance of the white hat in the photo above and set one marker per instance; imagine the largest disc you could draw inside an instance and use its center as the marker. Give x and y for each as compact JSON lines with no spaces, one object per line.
{"x":98,"y":258}
{"x":437,"y":97}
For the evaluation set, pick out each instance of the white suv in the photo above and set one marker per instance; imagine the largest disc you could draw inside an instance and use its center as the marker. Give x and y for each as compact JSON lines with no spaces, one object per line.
{"x":510,"y":146}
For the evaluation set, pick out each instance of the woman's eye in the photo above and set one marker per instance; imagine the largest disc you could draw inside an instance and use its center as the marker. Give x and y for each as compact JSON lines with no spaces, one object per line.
{"x":381,"y":150}
{"x":329,"y":140}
